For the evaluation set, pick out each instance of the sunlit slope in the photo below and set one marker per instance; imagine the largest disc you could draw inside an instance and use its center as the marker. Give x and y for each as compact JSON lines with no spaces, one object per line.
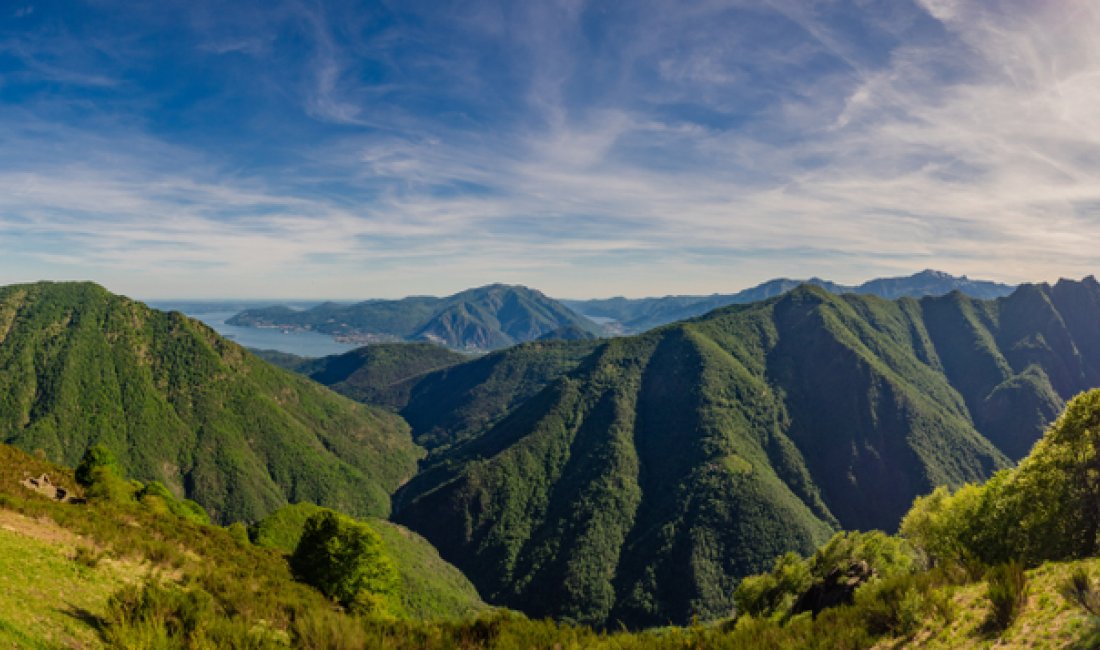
{"x":179,"y":404}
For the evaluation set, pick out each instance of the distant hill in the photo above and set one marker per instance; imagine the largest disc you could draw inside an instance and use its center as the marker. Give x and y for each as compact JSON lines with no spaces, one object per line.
{"x":378,"y":374}
{"x":641,"y":314}
{"x":284,"y":360}
{"x":486,"y":318}
{"x":179,"y":404}
{"x":638,"y":480}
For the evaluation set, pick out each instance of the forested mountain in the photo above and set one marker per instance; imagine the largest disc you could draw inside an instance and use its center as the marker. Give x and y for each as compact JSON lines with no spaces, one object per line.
{"x":379,"y":374}
{"x":639,"y":481}
{"x":641,"y":314}
{"x":181,"y":405}
{"x":486,"y":318}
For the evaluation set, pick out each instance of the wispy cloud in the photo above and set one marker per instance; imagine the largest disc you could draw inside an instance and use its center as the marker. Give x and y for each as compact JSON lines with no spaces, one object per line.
{"x":586,"y":149}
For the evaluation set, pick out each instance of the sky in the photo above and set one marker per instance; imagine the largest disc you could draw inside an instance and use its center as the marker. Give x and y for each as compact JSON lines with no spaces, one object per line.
{"x":349,"y":150}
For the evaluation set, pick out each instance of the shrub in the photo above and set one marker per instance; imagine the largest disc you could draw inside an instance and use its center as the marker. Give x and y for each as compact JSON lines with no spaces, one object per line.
{"x":86,"y":556}
{"x":900,"y":605}
{"x":1044,"y":509}
{"x":105,"y":484}
{"x":158,"y":498}
{"x":346,"y":561}
{"x":99,"y":473}
{"x":95,"y":457}
{"x":1080,"y":590}
{"x":773,"y":593}
{"x":239,"y":533}
{"x":1007,"y":592}
{"x":884,"y":554}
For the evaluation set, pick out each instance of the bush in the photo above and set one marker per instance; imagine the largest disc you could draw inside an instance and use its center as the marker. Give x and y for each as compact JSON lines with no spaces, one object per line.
{"x":346,"y":561}
{"x":1007,"y":592}
{"x":150,"y":615}
{"x":885,"y":554}
{"x":773,"y":593}
{"x":99,"y":473}
{"x":1044,"y":509}
{"x":239,"y":533}
{"x":104,"y":484}
{"x":95,"y":457}
{"x":900,"y":605}
{"x":1080,"y":590}
{"x":86,"y":556}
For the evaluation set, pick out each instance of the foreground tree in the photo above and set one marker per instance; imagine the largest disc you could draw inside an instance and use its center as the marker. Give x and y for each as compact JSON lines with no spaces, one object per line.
{"x":346,"y":561}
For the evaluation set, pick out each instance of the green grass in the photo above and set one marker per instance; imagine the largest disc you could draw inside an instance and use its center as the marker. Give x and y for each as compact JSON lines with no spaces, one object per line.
{"x":431,"y":588}
{"x":47,"y":599}
{"x":193,"y":585}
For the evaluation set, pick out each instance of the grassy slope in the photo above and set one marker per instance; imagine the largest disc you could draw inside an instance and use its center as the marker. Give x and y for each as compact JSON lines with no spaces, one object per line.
{"x":51,"y":598}
{"x":433,"y":589}
{"x":179,"y":404}
{"x":1047,"y":621}
{"x":46,"y":597}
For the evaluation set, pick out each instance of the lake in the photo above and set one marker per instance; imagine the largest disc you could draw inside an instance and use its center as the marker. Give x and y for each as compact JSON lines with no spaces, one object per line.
{"x":302,"y":343}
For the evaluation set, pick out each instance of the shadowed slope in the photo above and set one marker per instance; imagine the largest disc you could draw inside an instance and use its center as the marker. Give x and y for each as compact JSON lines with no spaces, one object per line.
{"x":723,"y":441}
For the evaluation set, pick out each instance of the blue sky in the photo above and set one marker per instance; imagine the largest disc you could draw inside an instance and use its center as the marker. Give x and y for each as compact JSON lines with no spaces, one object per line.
{"x":352,"y":150}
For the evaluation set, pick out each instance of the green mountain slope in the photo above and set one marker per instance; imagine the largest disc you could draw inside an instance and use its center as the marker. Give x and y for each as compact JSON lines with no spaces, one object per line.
{"x":639,"y":483}
{"x":181,"y":405}
{"x":486,"y":318}
{"x":463,"y":401}
{"x":379,"y":374}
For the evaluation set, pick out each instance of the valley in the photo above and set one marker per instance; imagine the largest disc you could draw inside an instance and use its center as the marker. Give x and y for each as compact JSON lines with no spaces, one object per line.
{"x":629,"y":481}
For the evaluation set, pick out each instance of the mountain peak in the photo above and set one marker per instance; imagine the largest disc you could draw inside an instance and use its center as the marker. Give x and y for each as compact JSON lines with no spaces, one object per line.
{"x":939,"y":275}
{"x":483,"y":318}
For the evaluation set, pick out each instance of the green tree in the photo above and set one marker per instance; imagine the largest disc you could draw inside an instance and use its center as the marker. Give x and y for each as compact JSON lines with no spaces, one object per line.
{"x":102,"y":477}
{"x":346,"y":561}
{"x":96,"y":457}
{"x":773,"y":593}
{"x":1048,"y":508}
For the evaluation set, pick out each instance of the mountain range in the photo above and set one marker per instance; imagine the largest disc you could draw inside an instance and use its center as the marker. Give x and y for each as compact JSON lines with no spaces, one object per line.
{"x":632,"y":480}
{"x":637,"y":479}
{"x":181,"y":405}
{"x":635,"y":315}
{"x":497,"y":316}
{"x":485,"y":318}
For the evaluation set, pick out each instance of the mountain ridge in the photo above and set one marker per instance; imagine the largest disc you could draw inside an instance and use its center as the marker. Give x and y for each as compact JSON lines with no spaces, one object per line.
{"x":635,"y":315}
{"x":181,"y":405}
{"x":479,"y":319}
{"x":837,"y":410}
